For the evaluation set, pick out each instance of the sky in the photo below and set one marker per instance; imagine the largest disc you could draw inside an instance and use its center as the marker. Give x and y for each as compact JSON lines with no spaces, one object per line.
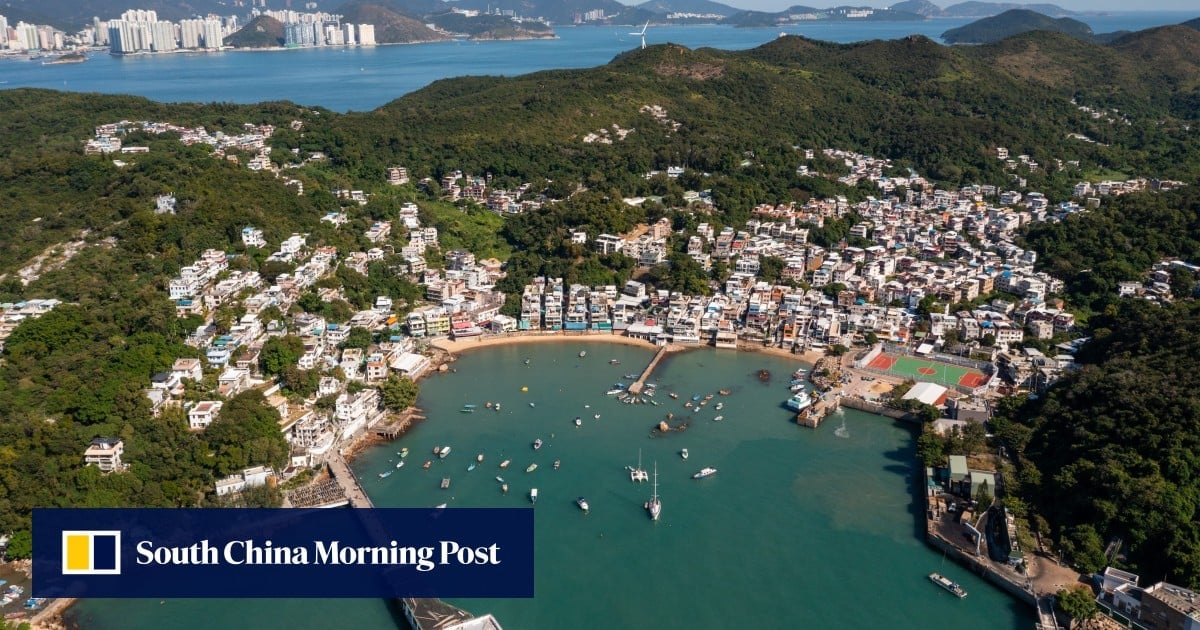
{"x":1071,"y":5}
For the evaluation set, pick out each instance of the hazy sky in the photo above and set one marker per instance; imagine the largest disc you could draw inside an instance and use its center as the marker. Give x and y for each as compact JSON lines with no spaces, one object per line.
{"x":1072,"y":5}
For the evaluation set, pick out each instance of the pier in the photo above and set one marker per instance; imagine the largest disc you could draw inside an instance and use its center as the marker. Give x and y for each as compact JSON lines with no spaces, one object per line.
{"x":346,"y":479}
{"x":638,"y":385}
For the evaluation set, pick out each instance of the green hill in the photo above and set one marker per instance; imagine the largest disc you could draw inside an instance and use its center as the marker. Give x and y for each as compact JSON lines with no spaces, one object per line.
{"x":1014,"y":22}
{"x":491,"y":27}
{"x":263,"y":31}
{"x":390,"y":26}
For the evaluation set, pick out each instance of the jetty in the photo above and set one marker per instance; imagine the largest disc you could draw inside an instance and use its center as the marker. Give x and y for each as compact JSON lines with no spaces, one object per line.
{"x":638,"y":385}
{"x":348,"y":481}
{"x":395,"y":425}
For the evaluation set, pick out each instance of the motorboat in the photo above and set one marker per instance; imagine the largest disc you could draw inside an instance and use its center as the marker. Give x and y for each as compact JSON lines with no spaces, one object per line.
{"x":705,"y":472}
{"x":582,"y":353}
{"x":479,"y":458}
{"x":533,"y":495}
{"x":500,"y":479}
{"x":400,"y":464}
{"x":427,"y":464}
{"x":403,"y":452}
{"x":537,"y":444}
{"x":948,"y":584}
{"x":582,"y":503}
{"x":718,"y":418}
{"x":471,"y":467}
{"x":557,"y":463}
{"x":444,"y":452}
{"x":531,"y":468}
{"x":578,"y":421}
{"x":445,"y":483}
{"x":385,"y":475}
{"x":505,"y":463}
{"x":683,"y":453}
{"x":799,"y":402}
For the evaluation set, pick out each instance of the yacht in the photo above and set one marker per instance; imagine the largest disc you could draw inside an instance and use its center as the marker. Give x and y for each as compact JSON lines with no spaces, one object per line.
{"x":400,"y":464}
{"x":799,"y":402}
{"x":705,"y":472}
{"x":533,"y":495}
{"x":537,"y":444}
{"x":654,"y":505}
{"x":683,"y":453}
{"x":444,"y":452}
{"x":948,"y":584}
{"x":582,"y":503}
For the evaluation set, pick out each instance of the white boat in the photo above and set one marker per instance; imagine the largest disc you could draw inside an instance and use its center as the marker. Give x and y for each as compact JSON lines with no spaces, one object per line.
{"x":705,"y":472}
{"x":532,"y":405}
{"x":400,"y":464}
{"x":444,"y":452}
{"x":597,"y":416}
{"x":948,"y":584}
{"x":683,"y":453}
{"x":403,"y":452}
{"x":578,"y":421}
{"x":385,"y":475}
{"x":654,"y":505}
{"x":718,"y":418}
{"x":799,"y":402}
{"x":582,"y":503}
{"x":471,"y":467}
{"x":479,"y":458}
{"x":440,"y":506}
{"x":531,"y":468}
{"x":557,"y":463}
{"x":505,"y":463}
{"x":798,"y":387}
{"x":533,"y":495}
{"x":614,"y":391}
{"x":638,"y":474}
{"x":582,"y":353}
{"x":504,"y":488}
{"x":500,"y":479}
{"x":719,"y":406}
{"x":445,"y":483}
{"x":537,"y":444}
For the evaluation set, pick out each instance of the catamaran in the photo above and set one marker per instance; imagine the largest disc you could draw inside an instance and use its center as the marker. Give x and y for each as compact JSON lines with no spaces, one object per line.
{"x":654,"y":505}
{"x":637,"y":474}
{"x":705,"y":472}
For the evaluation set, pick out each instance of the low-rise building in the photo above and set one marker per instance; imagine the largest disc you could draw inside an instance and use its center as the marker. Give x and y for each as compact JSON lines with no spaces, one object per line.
{"x":105,"y":454}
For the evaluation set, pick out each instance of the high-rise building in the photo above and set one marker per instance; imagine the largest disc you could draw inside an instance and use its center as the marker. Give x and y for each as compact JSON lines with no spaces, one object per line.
{"x":333,"y":35}
{"x":214,"y":34}
{"x":3,"y":32}
{"x":127,"y":37}
{"x":191,"y":33}
{"x":140,"y":15}
{"x":366,"y":34}
{"x":348,"y":34}
{"x":162,"y":36}
{"x":27,"y":36}
{"x":101,"y":29}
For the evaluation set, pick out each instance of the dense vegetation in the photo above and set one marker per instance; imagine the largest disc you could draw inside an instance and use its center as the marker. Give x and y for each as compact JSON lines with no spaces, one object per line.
{"x":736,"y":120}
{"x":1014,"y":22}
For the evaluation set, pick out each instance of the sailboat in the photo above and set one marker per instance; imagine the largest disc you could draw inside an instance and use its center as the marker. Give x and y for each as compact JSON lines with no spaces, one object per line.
{"x":654,"y":505}
{"x":637,"y":474}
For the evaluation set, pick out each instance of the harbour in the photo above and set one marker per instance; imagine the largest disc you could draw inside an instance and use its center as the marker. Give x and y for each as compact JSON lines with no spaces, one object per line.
{"x":822,"y":511}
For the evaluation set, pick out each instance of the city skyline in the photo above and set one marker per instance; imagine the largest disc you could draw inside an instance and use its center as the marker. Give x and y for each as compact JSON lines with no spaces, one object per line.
{"x":1082,"y":6}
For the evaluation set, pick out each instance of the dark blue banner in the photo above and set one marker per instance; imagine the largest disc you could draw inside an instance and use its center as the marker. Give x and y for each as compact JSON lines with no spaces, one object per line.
{"x":385,"y":552}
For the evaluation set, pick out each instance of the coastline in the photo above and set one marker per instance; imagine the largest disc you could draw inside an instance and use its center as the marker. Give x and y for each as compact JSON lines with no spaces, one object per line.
{"x":457,"y":346}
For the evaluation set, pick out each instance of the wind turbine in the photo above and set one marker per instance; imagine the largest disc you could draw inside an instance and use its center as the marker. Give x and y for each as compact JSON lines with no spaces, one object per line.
{"x":643,"y":34}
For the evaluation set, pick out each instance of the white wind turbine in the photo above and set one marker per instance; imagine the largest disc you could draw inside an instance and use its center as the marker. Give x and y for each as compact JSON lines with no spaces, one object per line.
{"x":643,"y":34}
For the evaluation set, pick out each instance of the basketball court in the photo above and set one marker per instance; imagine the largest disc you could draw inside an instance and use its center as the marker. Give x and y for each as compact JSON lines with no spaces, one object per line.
{"x":925,"y":370}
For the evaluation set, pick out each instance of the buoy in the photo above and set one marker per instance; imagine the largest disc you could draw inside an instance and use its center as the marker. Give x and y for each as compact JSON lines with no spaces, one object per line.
{"x":524,"y":389}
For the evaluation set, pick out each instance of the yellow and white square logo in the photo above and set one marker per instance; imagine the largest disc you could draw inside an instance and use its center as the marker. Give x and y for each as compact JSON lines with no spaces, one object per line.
{"x":91,"y":552}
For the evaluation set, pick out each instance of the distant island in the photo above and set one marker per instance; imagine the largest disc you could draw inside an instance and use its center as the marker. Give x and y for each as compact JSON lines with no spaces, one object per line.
{"x":1014,"y":22}
{"x":67,"y":58}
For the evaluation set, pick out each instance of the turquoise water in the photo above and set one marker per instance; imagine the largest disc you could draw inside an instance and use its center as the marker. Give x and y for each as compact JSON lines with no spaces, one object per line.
{"x":799,"y":528}
{"x":361,"y":79}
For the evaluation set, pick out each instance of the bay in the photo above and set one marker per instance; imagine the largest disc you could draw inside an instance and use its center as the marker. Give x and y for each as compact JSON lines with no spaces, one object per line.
{"x":799,"y":528}
{"x":360,"y":79}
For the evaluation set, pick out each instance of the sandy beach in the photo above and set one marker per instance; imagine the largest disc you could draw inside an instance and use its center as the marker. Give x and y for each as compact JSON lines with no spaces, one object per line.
{"x":457,"y":346}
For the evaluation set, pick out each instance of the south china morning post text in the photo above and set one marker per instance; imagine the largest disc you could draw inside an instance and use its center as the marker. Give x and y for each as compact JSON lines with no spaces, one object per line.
{"x":381,"y":552}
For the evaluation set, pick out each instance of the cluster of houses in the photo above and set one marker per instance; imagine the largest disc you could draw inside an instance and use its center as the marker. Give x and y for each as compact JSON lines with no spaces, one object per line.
{"x":13,"y":313}
{"x":1159,"y":606}
{"x":1157,"y":285}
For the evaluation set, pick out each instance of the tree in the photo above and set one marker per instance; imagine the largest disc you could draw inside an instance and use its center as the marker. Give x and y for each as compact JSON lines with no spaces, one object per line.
{"x":280,"y":352}
{"x":974,"y":437}
{"x":983,"y":496}
{"x":398,"y":393}
{"x":357,"y":338}
{"x":1078,"y":602}
{"x":871,"y":338}
{"x":20,"y":545}
{"x":931,"y":448}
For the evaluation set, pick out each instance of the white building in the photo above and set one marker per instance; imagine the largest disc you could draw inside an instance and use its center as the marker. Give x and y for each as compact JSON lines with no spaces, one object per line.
{"x":204,"y":413}
{"x":105,"y":454}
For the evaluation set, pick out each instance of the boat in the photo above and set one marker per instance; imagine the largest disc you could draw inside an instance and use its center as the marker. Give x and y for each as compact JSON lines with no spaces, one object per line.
{"x":614,"y":362}
{"x":637,"y":474}
{"x":724,"y":392}
{"x":533,"y":495}
{"x":428,"y":463}
{"x":948,"y":584}
{"x":578,"y":421}
{"x":582,"y":503}
{"x":597,"y":416}
{"x":531,"y":468}
{"x":799,"y":402}
{"x":705,"y":472}
{"x":696,"y":397}
{"x":479,"y":458}
{"x":798,"y":387}
{"x":489,"y":404}
{"x":557,"y":463}
{"x":654,"y":505}
{"x":582,"y":353}
{"x":718,"y":418}
{"x":683,"y":453}
{"x":526,"y":361}
{"x":465,"y":410}
{"x":437,"y":450}
{"x":613,"y":392}
{"x":385,"y":475}
{"x":631,"y":377}
{"x":532,"y":405}
{"x":403,"y":452}
{"x":445,"y":482}
{"x":471,"y":467}
{"x":537,"y":444}
{"x":764,"y":375}
{"x":504,"y":488}
{"x":674,"y":395}
{"x":505,"y":463}
{"x":440,"y":506}
{"x":500,"y":479}
{"x":444,"y":452}
{"x":473,"y":406}
{"x":796,"y":381}
{"x":400,"y":464}
{"x":719,"y":406}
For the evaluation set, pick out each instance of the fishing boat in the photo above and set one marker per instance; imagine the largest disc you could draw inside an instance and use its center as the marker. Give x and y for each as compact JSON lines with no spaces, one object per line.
{"x":578,"y":421}
{"x":400,"y":464}
{"x":471,"y":467}
{"x":533,"y":495}
{"x":683,"y":453}
{"x":385,"y":475}
{"x":531,"y":468}
{"x":505,"y":463}
{"x":444,"y":452}
{"x":427,"y":464}
{"x":705,"y":472}
{"x":582,"y":353}
{"x":582,"y":503}
{"x":948,"y":584}
{"x":445,"y":483}
{"x":718,"y":418}
{"x":537,"y":444}
{"x":557,"y":463}
{"x":654,"y":505}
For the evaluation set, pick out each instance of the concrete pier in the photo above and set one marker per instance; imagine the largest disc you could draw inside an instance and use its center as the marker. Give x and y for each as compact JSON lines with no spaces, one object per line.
{"x":346,"y":479}
{"x":638,"y":385}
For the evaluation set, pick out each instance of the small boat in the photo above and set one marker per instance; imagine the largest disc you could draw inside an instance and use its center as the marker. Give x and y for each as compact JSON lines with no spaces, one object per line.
{"x":718,"y":418}
{"x":445,"y":482}
{"x":597,"y":416}
{"x":582,"y":353}
{"x":466,"y":411}
{"x":489,"y":404}
{"x":614,"y":362}
{"x":613,"y":392}
{"x":437,"y":450}
{"x":537,"y":444}
{"x":444,"y":452}
{"x":479,"y":458}
{"x":532,"y":405}
{"x":719,"y":406}
{"x":704,"y":472}
{"x":505,"y":463}
{"x":533,"y":495}
{"x":674,"y":395}
{"x":798,"y":387}
{"x":578,"y":421}
{"x":500,"y":479}
{"x":582,"y":503}
{"x":471,"y":467}
{"x":497,"y":407}
{"x":948,"y":584}
{"x":400,"y":464}
{"x":708,"y":397}
{"x":440,"y":506}
{"x":724,"y":392}
{"x":683,"y":453}
{"x":504,"y":488}
{"x":403,"y":452}
{"x":632,"y":377}
{"x":473,"y":406}
{"x":531,"y":468}
{"x":557,"y":463}
{"x":428,"y":463}
{"x":385,"y":475}
{"x":696,"y":397}
{"x":526,"y":361}
{"x":796,"y":381}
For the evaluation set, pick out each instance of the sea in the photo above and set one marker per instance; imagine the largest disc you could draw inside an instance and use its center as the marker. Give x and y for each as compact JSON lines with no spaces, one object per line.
{"x":361,"y":79}
{"x":799,"y":528}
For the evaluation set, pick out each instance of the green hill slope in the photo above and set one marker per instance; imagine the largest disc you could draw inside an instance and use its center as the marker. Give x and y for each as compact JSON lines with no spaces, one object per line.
{"x":1014,"y":22}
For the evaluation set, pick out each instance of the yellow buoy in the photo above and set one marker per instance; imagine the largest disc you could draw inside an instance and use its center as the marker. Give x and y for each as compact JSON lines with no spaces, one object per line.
{"x":524,"y":389}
